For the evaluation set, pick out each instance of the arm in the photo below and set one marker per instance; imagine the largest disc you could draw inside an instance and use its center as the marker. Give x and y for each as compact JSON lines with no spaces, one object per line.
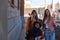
{"x":43,"y":28}
{"x":54,"y":22}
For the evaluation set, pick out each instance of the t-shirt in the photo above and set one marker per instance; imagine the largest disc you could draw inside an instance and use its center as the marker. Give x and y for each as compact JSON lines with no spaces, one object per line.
{"x":46,"y":23}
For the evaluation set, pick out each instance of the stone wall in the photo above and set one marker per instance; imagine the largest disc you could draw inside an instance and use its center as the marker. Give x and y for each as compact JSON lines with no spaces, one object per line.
{"x":3,"y":19}
{"x":14,"y":23}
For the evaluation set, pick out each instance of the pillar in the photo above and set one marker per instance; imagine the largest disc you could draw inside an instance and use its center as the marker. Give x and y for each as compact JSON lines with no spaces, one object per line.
{"x":22,"y":12}
{"x":21,"y":7}
{"x":3,"y":19}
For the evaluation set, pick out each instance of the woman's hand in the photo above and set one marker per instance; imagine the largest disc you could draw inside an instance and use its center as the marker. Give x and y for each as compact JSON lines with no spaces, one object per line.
{"x":31,"y":15}
{"x":41,"y":37}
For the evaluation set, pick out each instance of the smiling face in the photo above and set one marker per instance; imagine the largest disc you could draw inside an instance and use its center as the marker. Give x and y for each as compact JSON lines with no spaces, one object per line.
{"x":34,"y":14}
{"x":47,"y":13}
{"x":37,"y":25}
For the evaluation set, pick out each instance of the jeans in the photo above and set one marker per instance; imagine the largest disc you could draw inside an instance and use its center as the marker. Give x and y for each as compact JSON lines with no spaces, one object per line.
{"x":49,"y":35}
{"x":36,"y":38}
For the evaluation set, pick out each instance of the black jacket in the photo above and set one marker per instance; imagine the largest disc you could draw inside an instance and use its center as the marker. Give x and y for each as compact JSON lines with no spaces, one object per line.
{"x":35,"y":32}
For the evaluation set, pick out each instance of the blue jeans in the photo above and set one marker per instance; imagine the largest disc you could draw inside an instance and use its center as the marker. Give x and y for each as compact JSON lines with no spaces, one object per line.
{"x":36,"y":38}
{"x":49,"y":35}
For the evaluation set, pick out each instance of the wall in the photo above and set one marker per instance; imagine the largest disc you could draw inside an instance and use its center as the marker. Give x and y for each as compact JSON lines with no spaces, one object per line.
{"x":14,"y":23}
{"x":3,"y":19}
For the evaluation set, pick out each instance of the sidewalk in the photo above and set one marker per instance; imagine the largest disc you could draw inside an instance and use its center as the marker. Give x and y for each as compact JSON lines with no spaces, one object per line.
{"x":23,"y":34}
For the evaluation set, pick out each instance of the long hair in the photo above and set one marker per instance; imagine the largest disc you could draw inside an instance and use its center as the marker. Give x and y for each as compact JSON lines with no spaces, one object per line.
{"x":45,"y":15}
{"x":34,"y":11}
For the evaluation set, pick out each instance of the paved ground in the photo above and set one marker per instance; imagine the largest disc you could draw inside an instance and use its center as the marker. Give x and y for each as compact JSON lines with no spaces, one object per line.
{"x":23,"y":35}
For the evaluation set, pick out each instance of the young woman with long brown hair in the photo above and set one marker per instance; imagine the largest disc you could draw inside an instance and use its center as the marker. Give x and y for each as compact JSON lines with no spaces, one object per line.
{"x":33,"y":18}
{"x":49,"y":23}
